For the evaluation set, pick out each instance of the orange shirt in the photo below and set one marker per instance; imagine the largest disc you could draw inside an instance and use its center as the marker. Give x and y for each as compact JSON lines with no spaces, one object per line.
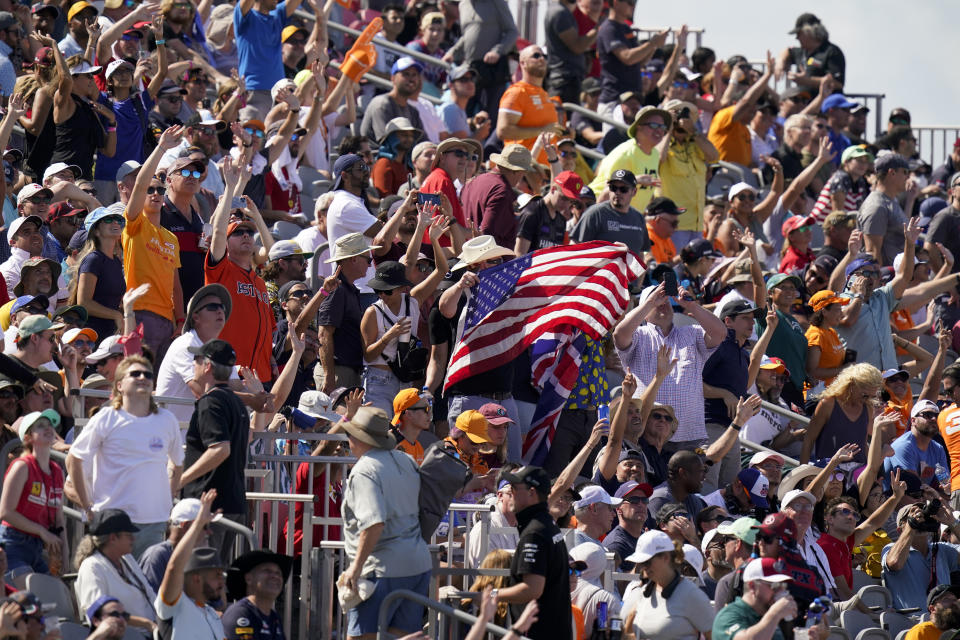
{"x":831,"y":349}
{"x":413,"y":449}
{"x":902,"y":320}
{"x":249,"y":330}
{"x":902,"y":406}
{"x":731,"y":138}
{"x":535,"y":109}
{"x":949,"y":423}
{"x":151,"y":254}
{"x":476,"y":464}
{"x":662,"y":249}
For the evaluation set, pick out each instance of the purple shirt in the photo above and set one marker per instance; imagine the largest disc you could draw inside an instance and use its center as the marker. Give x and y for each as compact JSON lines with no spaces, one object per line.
{"x":488,"y":202}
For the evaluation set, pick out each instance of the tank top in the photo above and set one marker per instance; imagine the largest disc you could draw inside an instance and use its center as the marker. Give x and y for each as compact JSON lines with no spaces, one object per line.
{"x":840,"y":430}
{"x":42,"y":493}
{"x":40,"y":147}
{"x":79,"y":137}
{"x":409,"y":307}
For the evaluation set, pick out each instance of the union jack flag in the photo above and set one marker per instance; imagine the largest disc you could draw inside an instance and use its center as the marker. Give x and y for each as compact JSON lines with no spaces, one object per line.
{"x":546,"y":299}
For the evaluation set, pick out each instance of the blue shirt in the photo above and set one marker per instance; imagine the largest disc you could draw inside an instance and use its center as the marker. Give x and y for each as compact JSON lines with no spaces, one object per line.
{"x":258,"y":45}
{"x":909,"y":586}
{"x":454,"y":117}
{"x":870,"y":335}
{"x":838,"y":142}
{"x":130,"y":129}
{"x":907,"y":454}
{"x":8,"y":75}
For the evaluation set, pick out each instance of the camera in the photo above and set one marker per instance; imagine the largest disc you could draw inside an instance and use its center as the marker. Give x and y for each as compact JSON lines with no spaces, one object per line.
{"x":683,"y":113}
{"x":927,"y":520}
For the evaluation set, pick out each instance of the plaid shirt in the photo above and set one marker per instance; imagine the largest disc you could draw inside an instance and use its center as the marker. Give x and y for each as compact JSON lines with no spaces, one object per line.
{"x":683,"y":387}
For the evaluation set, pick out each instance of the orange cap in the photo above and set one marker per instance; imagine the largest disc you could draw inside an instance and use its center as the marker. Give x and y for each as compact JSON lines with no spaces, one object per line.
{"x":474,"y":425}
{"x":403,"y":401}
{"x":821,"y":299}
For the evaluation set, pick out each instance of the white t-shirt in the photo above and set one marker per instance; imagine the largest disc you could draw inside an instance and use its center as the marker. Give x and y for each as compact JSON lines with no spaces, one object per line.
{"x":130,"y":456}
{"x":767,"y":425}
{"x":98,"y":577}
{"x":317,"y":152}
{"x":347,"y":214}
{"x":495,"y":540}
{"x":177,"y":370}
{"x":683,"y":616}
{"x":308,"y":240}
{"x":191,"y":621}
{"x":433,"y":124}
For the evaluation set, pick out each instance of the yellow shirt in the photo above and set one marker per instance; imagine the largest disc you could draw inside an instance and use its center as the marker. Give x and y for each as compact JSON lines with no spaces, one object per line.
{"x":151,"y":254}
{"x":731,"y":138}
{"x":923,"y":631}
{"x":684,"y":175}
{"x":628,"y":155}
{"x":831,"y":349}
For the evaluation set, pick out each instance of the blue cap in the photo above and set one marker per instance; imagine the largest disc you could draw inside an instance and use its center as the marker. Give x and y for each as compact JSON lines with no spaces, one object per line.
{"x":889,"y":161}
{"x":404,"y":63}
{"x":859,"y":263}
{"x":99,"y":214}
{"x":98,"y":604}
{"x":756,"y":485}
{"x":837,"y":101}
{"x":932,"y":206}
{"x":23,"y":301}
{"x":342,"y":164}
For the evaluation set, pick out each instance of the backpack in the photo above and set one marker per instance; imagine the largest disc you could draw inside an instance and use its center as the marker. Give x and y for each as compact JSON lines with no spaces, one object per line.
{"x":442,"y":475}
{"x":410,"y":364}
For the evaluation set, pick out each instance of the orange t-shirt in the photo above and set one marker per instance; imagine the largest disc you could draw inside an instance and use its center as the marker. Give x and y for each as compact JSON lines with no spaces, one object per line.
{"x":534,"y":107}
{"x":249,"y":330}
{"x":831,"y":349}
{"x":413,"y":449}
{"x":663,"y":249}
{"x":731,"y":138}
{"x":902,"y":320}
{"x":949,"y":423}
{"x":901,"y":405}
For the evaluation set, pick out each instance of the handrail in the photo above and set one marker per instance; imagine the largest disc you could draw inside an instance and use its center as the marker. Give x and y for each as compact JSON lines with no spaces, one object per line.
{"x":785,"y":412}
{"x":236,"y":527}
{"x":97,"y":393}
{"x":433,"y":605}
{"x":593,"y":115}
{"x":749,"y":444}
{"x":386,"y":44}
{"x":589,"y":153}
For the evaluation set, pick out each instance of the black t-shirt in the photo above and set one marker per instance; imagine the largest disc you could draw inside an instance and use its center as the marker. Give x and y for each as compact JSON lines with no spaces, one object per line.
{"x":188,"y":232}
{"x":656,"y":463}
{"x":833,"y":252}
{"x":108,"y":291}
{"x":538,"y":227}
{"x":827,"y":58}
{"x":219,"y":417}
{"x":616,"y":77}
{"x":542,"y":552}
{"x":562,"y":63}
{"x":579,"y":123}
{"x":791,"y":161}
{"x":341,"y":309}
{"x":244,"y":621}
{"x":257,"y":184}
{"x":945,"y":228}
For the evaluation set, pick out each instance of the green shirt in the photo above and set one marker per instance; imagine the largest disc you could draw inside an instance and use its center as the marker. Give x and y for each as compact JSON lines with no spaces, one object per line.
{"x":736,"y":617}
{"x":789,"y":344}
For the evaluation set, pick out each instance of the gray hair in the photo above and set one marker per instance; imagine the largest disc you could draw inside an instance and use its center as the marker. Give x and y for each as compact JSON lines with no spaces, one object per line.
{"x":816,"y":31}
{"x":323,"y":202}
{"x":797,"y":120}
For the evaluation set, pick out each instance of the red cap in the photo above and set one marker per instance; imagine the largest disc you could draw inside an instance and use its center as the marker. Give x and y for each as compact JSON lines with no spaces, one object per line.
{"x":44,"y":57}
{"x":570,"y":184}
{"x":62,"y":210}
{"x":780,"y":525}
{"x":236,"y":224}
{"x":795,"y":222}
{"x":494,"y":413}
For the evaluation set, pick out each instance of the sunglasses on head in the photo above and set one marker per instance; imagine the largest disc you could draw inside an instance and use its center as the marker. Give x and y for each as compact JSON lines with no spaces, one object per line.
{"x":156,"y":190}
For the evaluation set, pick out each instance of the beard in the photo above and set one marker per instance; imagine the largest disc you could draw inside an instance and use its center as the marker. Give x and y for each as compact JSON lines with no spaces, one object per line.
{"x":947,"y":617}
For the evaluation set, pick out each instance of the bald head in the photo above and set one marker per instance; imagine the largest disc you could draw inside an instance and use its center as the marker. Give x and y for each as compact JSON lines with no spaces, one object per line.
{"x":527,"y":52}
{"x":533,"y":64}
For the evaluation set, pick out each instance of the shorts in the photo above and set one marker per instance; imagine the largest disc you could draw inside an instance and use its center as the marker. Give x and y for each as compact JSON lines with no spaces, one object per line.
{"x":405,"y":615}
{"x":23,"y":550}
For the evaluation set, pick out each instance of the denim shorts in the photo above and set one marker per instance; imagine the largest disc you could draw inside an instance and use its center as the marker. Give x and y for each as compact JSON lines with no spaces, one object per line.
{"x":23,"y":550}
{"x":405,"y":615}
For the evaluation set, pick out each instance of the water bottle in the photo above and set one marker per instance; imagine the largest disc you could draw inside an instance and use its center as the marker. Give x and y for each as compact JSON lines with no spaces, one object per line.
{"x":943,"y":475}
{"x":616,"y":628}
{"x":602,"y":615}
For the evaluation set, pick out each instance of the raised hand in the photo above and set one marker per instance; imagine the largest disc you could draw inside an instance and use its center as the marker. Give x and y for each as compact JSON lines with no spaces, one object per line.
{"x":157,"y":26}
{"x":847,"y":452}
{"x":93,"y":31}
{"x":288,"y":98}
{"x":251,"y":380}
{"x":438,"y":227}
{"x":746,"y":409}
{"x":912,"y":230}
{"x":331,"y":282}
{"x":231,"y":174}
{"x":855,"y":242}
{"x":132,"y":295}
{"x":665,"y":363}
{"x":629,"y":384}
{"x":353,"y":402}
{"x":824,"y":150}
{"x":600,"y":429}
{"x":42,"y":39}
{"x":17,"y":106}
{"x":772,"y":318}
{"x":206,"y":506}
{"x":945,"y":253}
{"x":170,"y":137}
{"x":298,"y":343}
{"x":898,"y":486}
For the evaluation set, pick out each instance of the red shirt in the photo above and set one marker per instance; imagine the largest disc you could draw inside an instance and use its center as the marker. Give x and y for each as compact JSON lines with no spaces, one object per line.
{"x":287,"y":200}
{"x":584,"y":24}
{"x":840,"y":554}
{"x":388,"y":176}
{"x":439,"y":181}
{"x":333,"y":495}
{"x":795,"y":261}
{"x":42,"y":493}
{"x":488,"y":203}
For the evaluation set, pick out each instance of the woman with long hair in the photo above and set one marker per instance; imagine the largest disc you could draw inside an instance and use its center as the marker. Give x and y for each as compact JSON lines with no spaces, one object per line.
{"x":496,"y":559}
{"x":37,"y":89}
{"x":99,"y":283}
{"x":825,"y":352}
{"x":664,"y":605}
{"x":847,"y":407}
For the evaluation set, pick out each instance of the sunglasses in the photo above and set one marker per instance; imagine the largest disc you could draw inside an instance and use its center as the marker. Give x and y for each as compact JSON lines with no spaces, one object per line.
{"x":84,"y":343}
{"x":666,"y":417}
{"x":173,"y":98}
{"x":656,"y":126}
{"x":156,"y":190}
{"x":425,"y":409}
{"x":635,"y":500}
{"x":765,"y":539}
{"x":929,"y":415}
{"x":567,"y":153}
{"x":113,"y":220}
{"x":747,"y":196}
{"x":187,"y":173}
{"x":89,"y":191}
{"x":538,"y":56}
{"x":38,"y":200}
{"x":299,"y":293}
{"x":869,"y":273}
{"x":802,"y":229}
{"x":243,"y":231}
{"x":844,"y":511}
{"x":424,"y":268}
{"x":140,"y":373}
{"x":614,"y":189}
{"x":804,"y":508}
{"x":460,"y":153}
{"x":118,"y":614}
{"x":255,"y":132}
{"x":297,"y":42}
{"x":574,"y":572}
{"x":213,"y":306}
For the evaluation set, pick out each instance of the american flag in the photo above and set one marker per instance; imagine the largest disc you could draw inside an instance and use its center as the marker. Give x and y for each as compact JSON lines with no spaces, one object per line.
{"x":544,"y":299}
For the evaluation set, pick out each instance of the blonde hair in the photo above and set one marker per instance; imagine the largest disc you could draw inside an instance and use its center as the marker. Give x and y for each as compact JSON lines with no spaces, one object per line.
{"x":116,"y":399}
{"x":497,"y":559}
{"x":92,"y":244}
{"x":852,"y":380}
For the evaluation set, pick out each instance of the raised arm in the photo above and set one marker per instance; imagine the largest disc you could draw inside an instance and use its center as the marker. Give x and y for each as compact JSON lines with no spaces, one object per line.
{"x":623,"y":332}
{"x":648,"y":398}
{"x":221,"y":215}
{"x":611,"y":452}
{"x":744,"y":109}
{"x":277,"y":144}
{"x":171,"y":589}
{"x":162,"y":63}
{"x":714,"y":329}
{"x":799,"y":184}
{"x":104,"y":47}
{"x":169,"y":139}
{"x":569,"y":474}
{"x":760,"y":348}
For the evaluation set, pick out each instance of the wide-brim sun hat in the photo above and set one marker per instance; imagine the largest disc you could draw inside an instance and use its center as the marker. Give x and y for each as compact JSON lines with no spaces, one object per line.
{"x":350,"y":246}
{"x":482,"y":248}
{"x":371,"y":426}
{"x":214,"y":289}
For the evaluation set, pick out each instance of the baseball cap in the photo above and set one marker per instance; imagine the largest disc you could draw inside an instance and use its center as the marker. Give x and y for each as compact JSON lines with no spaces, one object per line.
{"x":72,"y":334}
{"x":766,"y":569}
{"x":861,"y":261}
{"x":460,"y":71}
{"x":14,"y":227}
{"x":923,"y":405}
{"x":530,"y":475}
{"x":187,"y":510}
{"x":594,"y":494}
{"x":778,"y":278}
{"x":794,"y":494}
{"x":736,"y":307}
{"x":570,"y":184}
{"x":803,"y":20}
{"x":127,"y":168}
{"x":821,"y":299}
{"x":474,"y":425}
{"x":660,"y":204}
{"x":405,"y":399}
{"x":743,"y":528}
{"x":108,"y":346}
{"x":888,"y":161}
{"x":855,"y":151}
{"x":287,"y":248}
{"x":590,"y":86}
{"x":291,"y":29}
{"x":32,"y":325}
{"x":495,"y":414}
{"x":31,"y":419}
{"x":795,"y":222}
{"x":404,"y":63}
{"x":762,"y":456}
{"x":623,"y":175}
{"x":698,"y":248}
{"x":779,"y":525}
{"x":98,"y":604}
{"x":84,"y":67}
{"x":739,"y":188}
{"x":649,"y":544}
{"x":30,"y":190}
{"x":23,"y":301}
{"x":939,"y":591}
{"x":631,"y":487}
{"x":756,"y":485}
{"x":57,"y":167}
{"x":115,"y":65}
{"x":216,"y":351}
{"x":890,"y":373}
{"x":77,"y":7}
{"x":111,"y":521}
{"x":837,"y":101}
{"x":343,"y":163}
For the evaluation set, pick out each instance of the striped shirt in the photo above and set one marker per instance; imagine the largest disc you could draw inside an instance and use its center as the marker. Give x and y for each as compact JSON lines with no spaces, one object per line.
{"x":854,"y":194}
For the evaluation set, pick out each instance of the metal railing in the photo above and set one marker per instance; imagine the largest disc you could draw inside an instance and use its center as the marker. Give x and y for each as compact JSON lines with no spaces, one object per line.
{"x":935,"y":142}
{"x":386,"y":84}
{"x":593,"y":115}
{"x":160,"y":400}
{"x":432,"y":605}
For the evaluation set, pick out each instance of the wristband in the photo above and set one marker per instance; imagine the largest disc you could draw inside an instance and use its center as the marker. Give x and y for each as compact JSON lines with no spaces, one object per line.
{"x":324,"y":293}
{"x":111,"y":129}
{"x":735,"y":427}
{"x":161,"y":42}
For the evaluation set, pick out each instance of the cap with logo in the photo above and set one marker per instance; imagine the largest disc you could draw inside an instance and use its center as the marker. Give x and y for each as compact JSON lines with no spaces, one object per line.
{"x":756,"y":485}
{"x":779,"y":525}
{"x":649,"y":544}
{"x":698,"y":248}
{"x":660,"y":204}
{"x":531,"y":476}
{"x":216,"y":351}
{"x":737,"y":307}
{"x":623,"y":175}
{"x":765,"y":569}
{"x":594,"y":494}
{"x":570,"y":184}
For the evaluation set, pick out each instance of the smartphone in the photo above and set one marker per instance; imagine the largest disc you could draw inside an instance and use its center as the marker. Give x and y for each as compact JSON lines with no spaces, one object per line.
{"x":670,"y":283}
{"x":425,"y":198}
{"x":410,"y":182}
{"x":603,"y":412}
{"x":238,"y":203}
{"x":143,"y":55}
{"x":849,"y":356}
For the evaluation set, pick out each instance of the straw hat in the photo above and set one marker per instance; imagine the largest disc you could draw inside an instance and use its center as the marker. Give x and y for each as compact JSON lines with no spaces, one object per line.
{"x":482,"y":248}
{"x":447,"y":145}
{"x":348,"y":246}
{"x":515,"y":157}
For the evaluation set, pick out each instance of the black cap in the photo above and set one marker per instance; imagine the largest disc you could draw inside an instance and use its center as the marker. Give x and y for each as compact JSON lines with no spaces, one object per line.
{"x":284,"y":292}
{"x":203,"y":558}
{"x":663,"y":205}
{"x":389,"y":276}
{"x":111,"y":521}
{"x":803,"y":20}
{"x":74,"y":309}
{"x":622,"y":175}
{"x":590,"y":85}
{"x":216,"y":351}
{"x":536,"y":477}
{"x":168,"y":89}
{"x":698,"y":248}
{"x":736,"y":307}
{"x":899,"y":116}
{"x":668,"y":510}
{"x":938,"y":591}
{"x":236,"y":586}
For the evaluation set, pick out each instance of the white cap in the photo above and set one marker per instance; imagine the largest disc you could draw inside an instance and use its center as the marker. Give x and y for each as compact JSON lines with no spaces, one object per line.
{"x":694,"y":558}
{"x":762,"y":456}
{"x":84,"y":67}
{"x":57,"y":167}
{"x":592,"y":494}
{"x":187,"y":510}
{"x":19,"y":222}
{"x":793,"y":495}
{"x":109,"y":346}
{"x":764,"y":569}
{"x":738,"y":188}
{"x":649,"y":544}
{"x":116,"y":64}
{"x":898,"y":260}
{"x":923,"y":405}
{"x":595,"y":558}
{"x":316,"y":404}
{"x":280,"y":84}
{"x":30,"y":190}
{"x":707,"y":538}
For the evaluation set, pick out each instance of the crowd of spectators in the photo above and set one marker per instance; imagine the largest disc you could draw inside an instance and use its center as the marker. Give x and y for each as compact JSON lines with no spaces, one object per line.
{"x":283,"y":227}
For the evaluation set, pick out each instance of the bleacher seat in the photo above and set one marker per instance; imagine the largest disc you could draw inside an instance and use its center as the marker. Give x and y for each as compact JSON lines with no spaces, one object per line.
{"x":902,"y":634}
{"x":862,"y":579}
{"x":838,"y":633}
{"x":874,"y":633}
{"x":876,"y":597}
{"x":853,"y":622}
{"x":895,"y":622}
{"x":73,"y":631}
{"x":51,"y":589}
